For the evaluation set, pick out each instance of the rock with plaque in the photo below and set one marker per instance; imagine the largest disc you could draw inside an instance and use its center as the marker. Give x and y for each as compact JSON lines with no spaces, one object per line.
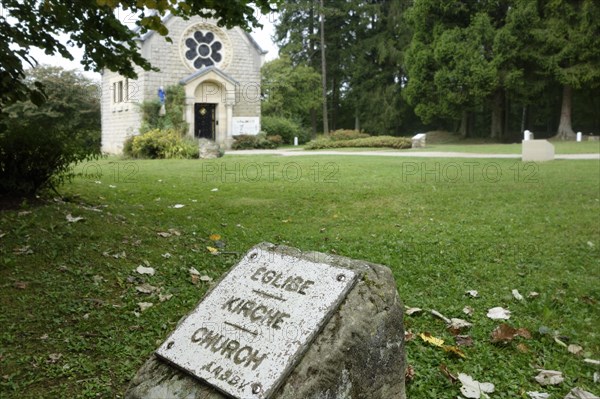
{"x":285,"y":324}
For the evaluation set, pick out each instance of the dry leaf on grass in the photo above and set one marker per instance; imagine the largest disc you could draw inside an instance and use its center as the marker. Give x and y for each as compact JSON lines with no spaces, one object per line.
{"x":592,"y":361}
{"x":538,"y":395}
{"x":214,"y":237}
{"x":430,"y":339}
{"x":517,"y":295}
{"x":411,"y":311}
{"x":409,"y":373}
{"x":575,"y":349}
{"x":145,"y":270}
{"x":73,"y":219}
{"x":53,"y":358}
{"x":468,"y":310}
{"x":446,"y":373}
{"x":21,"y":285}
{"x":212,"y":250}
{"x":146,"y":288}
{"x":24,"y":250}
{"x":408,"y":336}
{"x":474,"y":389}
{"x":145,"y":306}
{"x":549,"y":377}
{"x":456,"y":325}
{"x":454,"y":351}
{"x":472,"y":293}
{"x":464,"y":340}
{"x":506,"y":333}
{"x":439,"y":315}
{"x":498,"y":313}
{"x":165,"y":297}
{"x":578,"y":393}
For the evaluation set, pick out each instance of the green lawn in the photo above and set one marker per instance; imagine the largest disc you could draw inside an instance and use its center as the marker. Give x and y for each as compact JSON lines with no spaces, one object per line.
{"x":68,"y":296}
{"x":560,"y":147}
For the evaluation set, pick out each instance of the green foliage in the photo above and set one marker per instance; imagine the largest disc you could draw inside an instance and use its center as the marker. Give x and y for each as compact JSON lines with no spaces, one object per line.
{"x":40,"y":144}
{"x":259,"y":141}
{"x":161,"y":144}
{"x":398,"y":143}
{"x":284,"y":127}
{"x":106,"y":40}
{"x":289,"y":91}
{"x":346,"y":134}
{"x":174,"y":108}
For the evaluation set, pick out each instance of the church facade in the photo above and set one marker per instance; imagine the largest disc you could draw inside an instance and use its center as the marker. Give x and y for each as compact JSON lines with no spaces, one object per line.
{"x":219,"y":69}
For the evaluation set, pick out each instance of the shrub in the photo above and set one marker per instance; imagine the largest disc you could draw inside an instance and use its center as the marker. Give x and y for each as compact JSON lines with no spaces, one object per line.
{"x":173,"y":118}
{"x":374,"y":141}
{"x":161,"y":144}
{"x":284,"y":127}
{"x":344,"y":134}
{"x":260,"y":141}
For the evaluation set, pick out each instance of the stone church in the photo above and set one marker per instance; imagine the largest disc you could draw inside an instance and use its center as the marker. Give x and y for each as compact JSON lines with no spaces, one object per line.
{"x":219,"y":69}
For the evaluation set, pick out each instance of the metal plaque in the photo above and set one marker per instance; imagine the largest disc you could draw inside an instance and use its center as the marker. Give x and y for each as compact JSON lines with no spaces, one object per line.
{"x":248,"y":333}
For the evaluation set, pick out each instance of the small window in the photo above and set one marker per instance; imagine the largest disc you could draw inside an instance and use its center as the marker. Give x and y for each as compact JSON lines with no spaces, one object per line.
{"x":120,"y":91}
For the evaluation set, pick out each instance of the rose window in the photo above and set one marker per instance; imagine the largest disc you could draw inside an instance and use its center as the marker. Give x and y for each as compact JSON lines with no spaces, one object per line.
{"x":203,"y":49}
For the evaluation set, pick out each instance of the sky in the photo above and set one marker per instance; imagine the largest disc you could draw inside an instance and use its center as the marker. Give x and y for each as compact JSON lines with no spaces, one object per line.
{"x":262,"y":37}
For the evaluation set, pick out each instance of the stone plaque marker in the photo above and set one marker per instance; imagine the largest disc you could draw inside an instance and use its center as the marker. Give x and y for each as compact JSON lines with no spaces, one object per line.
{"x":250,"y":330}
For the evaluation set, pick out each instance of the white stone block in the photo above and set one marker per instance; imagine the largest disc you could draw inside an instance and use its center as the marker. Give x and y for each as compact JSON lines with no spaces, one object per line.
{"x":537,"y":151}
{"x":418,"y":141}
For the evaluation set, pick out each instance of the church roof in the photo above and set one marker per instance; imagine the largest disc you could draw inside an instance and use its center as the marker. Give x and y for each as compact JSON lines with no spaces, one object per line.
{"x":204,"y":71}
{"x":167,"y":17}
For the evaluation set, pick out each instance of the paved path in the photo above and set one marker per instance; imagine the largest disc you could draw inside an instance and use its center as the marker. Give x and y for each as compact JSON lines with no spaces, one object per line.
{"x":413,"y":154}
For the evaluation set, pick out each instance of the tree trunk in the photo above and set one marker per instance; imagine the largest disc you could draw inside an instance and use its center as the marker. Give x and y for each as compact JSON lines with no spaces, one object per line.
{"x":565,"y":130}
{"x":356,"y":121}
{"x":313,"y":122}
{"x":497,"y":116}
{"x":464,"y":125}
{"x":523,"y":119}
{"x":324,"y":72}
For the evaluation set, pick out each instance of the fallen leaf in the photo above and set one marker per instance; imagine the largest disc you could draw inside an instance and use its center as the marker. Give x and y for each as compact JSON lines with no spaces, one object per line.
{"x":411,"y":311}
{"x":439,"y":315}
{"x":409,"y":373}
{"x":408,"y":336}
{"x":596,"y":377}
{"x":578,"y":393}
{"x":474,"y":389}
{"x":2,"y":235}
{"x":558,"y":341}
{"x":590,"y":244}
{"x":145,"y":306}
{"x":97,"y":279}
{"x":164,"y":234}
{"x":592,"y":361}
{"x":468,"y":310}
{"x":458,"y":324}
{"x":21,"y":285}
{"x":212,"y":250}
{"x":72,"y":219}
{"x":463,"y":340}
{"x":214,"y":190}
{"x":206,"y":279}
{"x":533,"y":294}
{"x":177,"y":206}
{"x":451,"y":377}
{"x":214,"y":237}
{"x":472,"y":293}
{"x":54,"y":357}
{"x":146,"y":288}
{"x":193,"y":271}
{"x":575,"y":349}
{"x":145,"y":270}
{"x":454,"y":350}
{"x":549,"y":377}
{"x":431,"y":339}
{"x":44,"y":337}
{"x":517,"y":295}
{"x":175,"y":232}
{"x":498,"y":313}
{"x":505,"y":333}
{"x":521,"y":347}
{"x":165,"y":297}
{"x":24,"y":250}
{"x":538,"y":395}
{"x":166,"y":255}
{"x":195,"y":278}
{"x":112,"y":186}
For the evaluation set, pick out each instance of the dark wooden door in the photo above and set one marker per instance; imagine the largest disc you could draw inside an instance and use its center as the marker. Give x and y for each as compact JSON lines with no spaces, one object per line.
{"x":205,"y":120}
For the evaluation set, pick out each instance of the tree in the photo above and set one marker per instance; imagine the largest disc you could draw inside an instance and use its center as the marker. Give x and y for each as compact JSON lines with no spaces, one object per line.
{"x":570,"y":40}
{"x":289,"y":91}
{"x":94,"y":26}
{"x":41,"y":143}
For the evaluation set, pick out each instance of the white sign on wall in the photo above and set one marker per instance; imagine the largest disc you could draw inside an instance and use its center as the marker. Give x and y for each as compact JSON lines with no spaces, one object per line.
{"x":245,"y":125}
